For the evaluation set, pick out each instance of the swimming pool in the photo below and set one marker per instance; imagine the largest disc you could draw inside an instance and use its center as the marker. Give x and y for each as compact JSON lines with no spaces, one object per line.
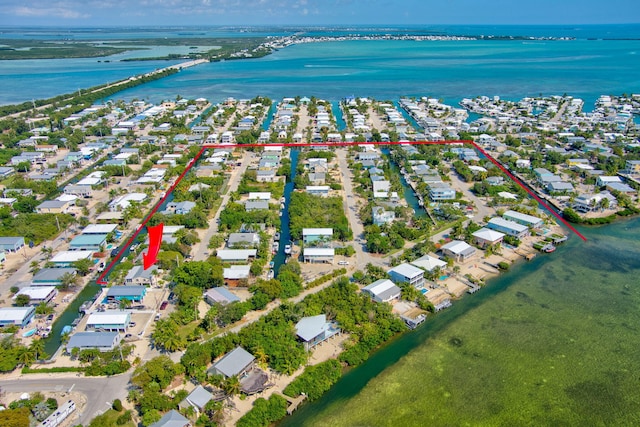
{"x":424,"y":291}
{"x":444,"y":277}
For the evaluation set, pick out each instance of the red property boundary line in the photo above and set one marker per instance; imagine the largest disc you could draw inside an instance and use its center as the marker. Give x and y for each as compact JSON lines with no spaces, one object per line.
{"x":101,"y":279}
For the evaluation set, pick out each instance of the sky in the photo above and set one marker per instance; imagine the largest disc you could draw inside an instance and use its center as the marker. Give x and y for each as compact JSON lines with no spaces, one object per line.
{"x":314,"y":12}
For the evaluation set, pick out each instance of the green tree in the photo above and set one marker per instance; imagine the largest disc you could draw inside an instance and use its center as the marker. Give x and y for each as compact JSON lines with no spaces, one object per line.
{"x":83,"y":266}
{"x":37,"y":347}
{"x":22,"y":300}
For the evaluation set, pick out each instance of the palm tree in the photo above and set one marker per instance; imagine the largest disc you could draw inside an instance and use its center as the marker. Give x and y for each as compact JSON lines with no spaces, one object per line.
{"x":261,"y":358}
{"x":231,"y":386}
{"x":37,"y":347}
{"x":124,"y":303}
{"x":47,"y":251}
{"x":26,"y":356}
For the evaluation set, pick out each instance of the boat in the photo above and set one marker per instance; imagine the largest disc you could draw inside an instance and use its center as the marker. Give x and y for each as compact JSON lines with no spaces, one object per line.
{"x":67,"y":329}
{"x":30,"y":332}
{"x":287,"y":249}
{"x":270,"y":274}
{"x":276,"y":236}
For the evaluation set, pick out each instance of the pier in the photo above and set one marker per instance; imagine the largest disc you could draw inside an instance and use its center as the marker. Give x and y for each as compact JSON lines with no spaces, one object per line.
{"x":294,"y":402}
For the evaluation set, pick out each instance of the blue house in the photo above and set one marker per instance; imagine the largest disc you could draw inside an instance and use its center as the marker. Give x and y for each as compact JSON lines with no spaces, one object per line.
{"x":132,"y":293}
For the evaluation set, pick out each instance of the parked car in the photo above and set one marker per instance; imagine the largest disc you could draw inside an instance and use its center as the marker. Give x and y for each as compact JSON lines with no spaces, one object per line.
{"x":132,"y":324}
{"x":164,"y":305}
{"x":343,"y":262}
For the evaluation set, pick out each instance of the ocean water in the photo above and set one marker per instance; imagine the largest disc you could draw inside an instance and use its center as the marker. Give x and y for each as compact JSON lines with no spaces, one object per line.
{"x":586,"y":67}
{"x":552,"y":342}
{"x":450,"y":70}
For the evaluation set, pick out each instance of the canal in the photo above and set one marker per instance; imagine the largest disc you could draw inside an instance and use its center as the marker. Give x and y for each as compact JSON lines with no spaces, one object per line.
{"x":409,"y":195}
{"x":285,"y":233}
{"x":71,"y":313}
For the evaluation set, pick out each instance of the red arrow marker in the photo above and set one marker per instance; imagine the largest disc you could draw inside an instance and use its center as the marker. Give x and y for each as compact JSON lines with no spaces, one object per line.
{"x":155,"y":238}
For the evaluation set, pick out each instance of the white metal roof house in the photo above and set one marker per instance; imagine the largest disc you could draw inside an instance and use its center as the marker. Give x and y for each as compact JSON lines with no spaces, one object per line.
{"x":524,"y":219}
{"x":102,"y":341}
{"x":487,"y":237}
{"x":508,"y":227}
{"x":66,"y":258}
{"x":318,"y":254}
{"x":315,"y":329}
{"x":20,"y":316}
{"x":236,"y":255}
{"x":38,"y":294}
{"x":235,"y":363}
{"x":407,"y":273}
{"x":429,"y":263}
{"x":383,"y":290}
{"x":111,"y":320}
{"x":458,"y":250}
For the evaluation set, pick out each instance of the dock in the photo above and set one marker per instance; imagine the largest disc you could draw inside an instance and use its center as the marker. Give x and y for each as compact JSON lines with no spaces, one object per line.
{"x":527,"y":256}
{"x":294,"y":402}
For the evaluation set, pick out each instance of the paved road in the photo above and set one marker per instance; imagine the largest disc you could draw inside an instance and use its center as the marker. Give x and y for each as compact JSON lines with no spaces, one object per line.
{"x":234,"y":181}
{"x":351,"y":210}
{"x":99,"y":392}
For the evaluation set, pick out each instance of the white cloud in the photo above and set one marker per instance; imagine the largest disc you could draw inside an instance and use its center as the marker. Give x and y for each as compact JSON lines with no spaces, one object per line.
{"x":54,"y":12}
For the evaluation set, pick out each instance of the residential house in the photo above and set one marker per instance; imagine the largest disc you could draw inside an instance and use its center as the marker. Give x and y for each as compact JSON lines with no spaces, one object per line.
{"x":67,"y":258}
{"x":236,"y":255}
{"x":234,"y":274}
{"x":131,"y":293}
{"x":38,"y":294}
{"x":487,"y":237}
{"x":139,"y":276}
{"x":312,"y":235}
{"x":524,"y":219}
{"x":318,"y":190}
{"x":315,"y":330}
{"x":243,"y":240}
{"x":593,"y":202}
{"x":180,"y":208}
{"x":20,"y":316}
{"x":441,"y":191}
{"x":236,"y":363}
{"x":383,"y":290}
{"x":429,"y":263}
{"x":458,"y":250}
{"x":101,"y":341}
{"x":314,"y":255}
{"x":110,"y":320}
{"x":382,"y":216}
{"x":252,"y":205}
{"x":508,"y":227}
{"x":172,"y":418}
{"x":407,"y":273}
{"x":197,"y":399}
{"x":220,"y":295}
{"x":11,"y":244}
{"x":51,"y":276}
{"x":88,"y":242}
{"x":53,"y":206}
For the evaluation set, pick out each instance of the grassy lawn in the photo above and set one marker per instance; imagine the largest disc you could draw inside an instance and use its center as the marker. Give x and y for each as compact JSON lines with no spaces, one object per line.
{"x":109,"y":419}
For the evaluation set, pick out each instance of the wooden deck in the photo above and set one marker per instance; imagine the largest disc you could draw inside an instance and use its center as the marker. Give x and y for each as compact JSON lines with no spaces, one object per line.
{"x":293,"y":402}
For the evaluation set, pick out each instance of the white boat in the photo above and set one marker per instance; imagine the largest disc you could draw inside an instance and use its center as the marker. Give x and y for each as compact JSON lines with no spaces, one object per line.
{"x":287,"y":249}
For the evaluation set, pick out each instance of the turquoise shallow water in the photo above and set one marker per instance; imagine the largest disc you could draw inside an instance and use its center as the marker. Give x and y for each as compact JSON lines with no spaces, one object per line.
{"x":552,"y":342}
{"x":450,"y":70}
